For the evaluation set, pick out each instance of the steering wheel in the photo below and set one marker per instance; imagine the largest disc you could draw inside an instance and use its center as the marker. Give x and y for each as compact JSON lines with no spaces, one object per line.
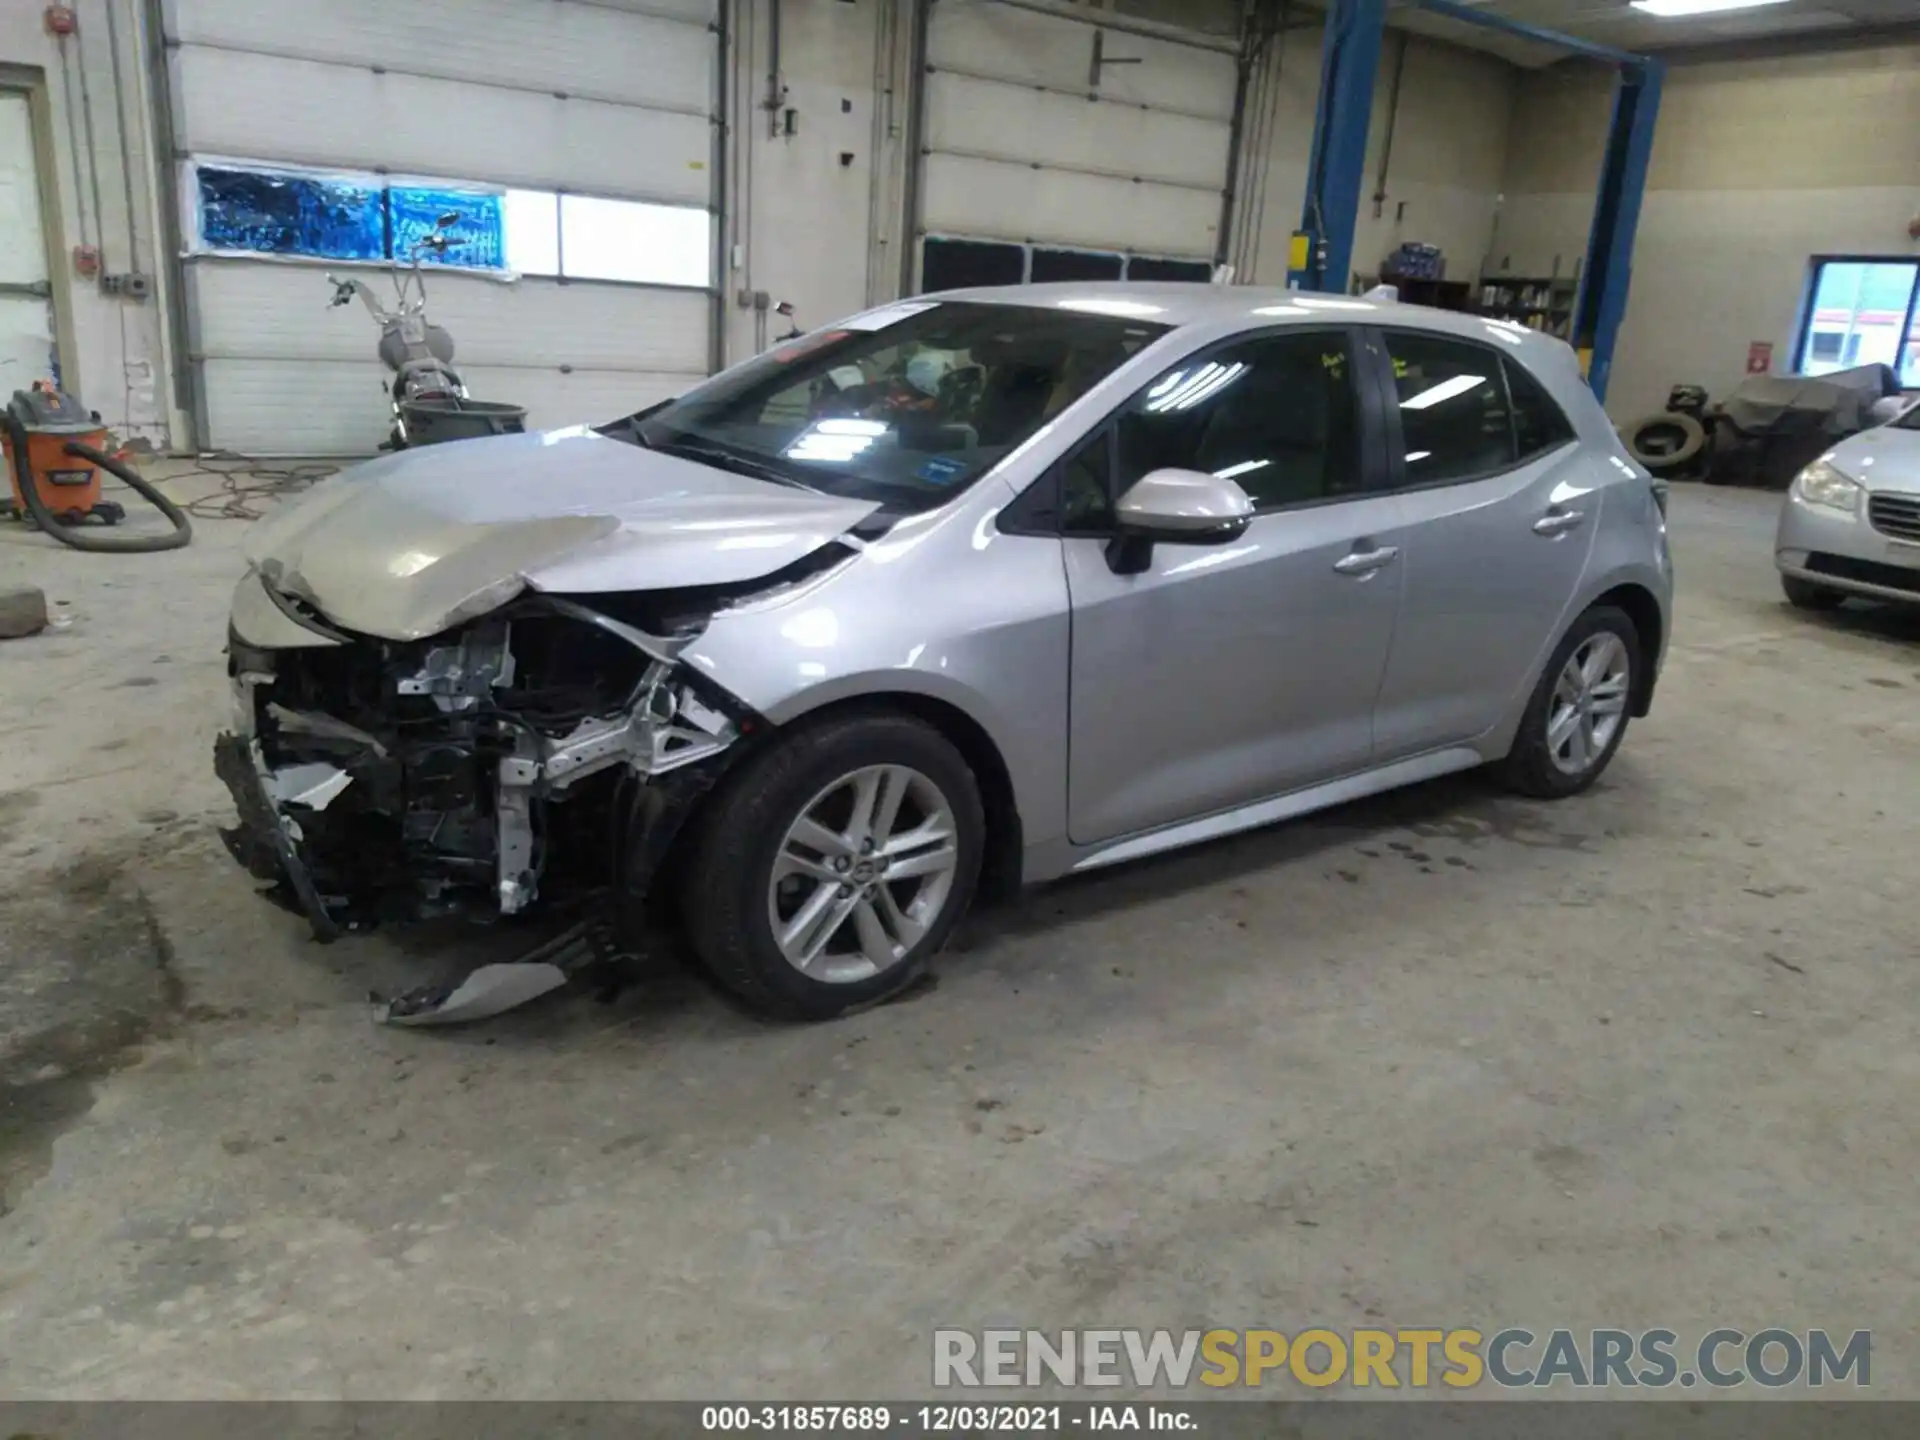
{"x":960,"y":389}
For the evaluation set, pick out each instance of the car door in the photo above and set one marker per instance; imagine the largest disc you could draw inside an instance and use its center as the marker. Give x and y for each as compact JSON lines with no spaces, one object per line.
{"x":1500,"y":516}
{"x":1228,"y":672}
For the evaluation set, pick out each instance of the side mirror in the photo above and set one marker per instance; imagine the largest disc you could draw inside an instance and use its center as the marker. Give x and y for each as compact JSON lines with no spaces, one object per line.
{"x":1178,"y":507}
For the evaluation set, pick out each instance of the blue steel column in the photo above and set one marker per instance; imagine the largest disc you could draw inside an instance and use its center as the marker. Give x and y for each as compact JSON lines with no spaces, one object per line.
{"x":1349,"y":64}
{"x":1616,"y":215}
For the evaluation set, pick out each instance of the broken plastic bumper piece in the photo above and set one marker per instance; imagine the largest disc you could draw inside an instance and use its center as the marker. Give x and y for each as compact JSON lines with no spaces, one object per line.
{"x":263,"y":841}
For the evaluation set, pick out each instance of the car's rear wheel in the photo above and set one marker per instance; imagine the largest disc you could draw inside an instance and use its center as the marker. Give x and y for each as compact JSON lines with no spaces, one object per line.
{"x":1578,"y":714}
{"x":831,"y":866}
{"x":1805,"y":595}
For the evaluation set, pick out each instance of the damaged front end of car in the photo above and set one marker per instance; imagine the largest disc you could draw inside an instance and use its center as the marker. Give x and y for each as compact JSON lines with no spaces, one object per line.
{"x":542,"y":756}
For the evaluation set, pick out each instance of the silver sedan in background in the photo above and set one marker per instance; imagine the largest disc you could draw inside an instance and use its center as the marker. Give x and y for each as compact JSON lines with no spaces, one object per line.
{"x":1851,"y":521}
{"x":963,"y":593}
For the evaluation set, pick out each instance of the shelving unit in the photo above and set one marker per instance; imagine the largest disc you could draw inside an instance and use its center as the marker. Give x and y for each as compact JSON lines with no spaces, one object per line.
{"x":1540,"y":304}
{"x":1436,"y":294}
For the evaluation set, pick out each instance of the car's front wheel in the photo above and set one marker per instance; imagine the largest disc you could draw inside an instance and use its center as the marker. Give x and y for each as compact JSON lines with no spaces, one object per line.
{"x":1578,"y":714}
{"x":830,"y":866}
{"x":1805,"y":595}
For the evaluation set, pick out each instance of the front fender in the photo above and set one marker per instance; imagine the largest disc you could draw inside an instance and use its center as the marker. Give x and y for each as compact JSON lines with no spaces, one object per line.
{"x":980,"y":627}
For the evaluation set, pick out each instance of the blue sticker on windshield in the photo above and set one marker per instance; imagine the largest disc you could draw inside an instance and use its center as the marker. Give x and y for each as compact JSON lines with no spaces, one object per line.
{"x":941,"y":471}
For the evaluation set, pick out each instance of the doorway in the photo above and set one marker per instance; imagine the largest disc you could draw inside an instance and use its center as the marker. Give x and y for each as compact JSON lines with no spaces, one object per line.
{"x":29,"y":349}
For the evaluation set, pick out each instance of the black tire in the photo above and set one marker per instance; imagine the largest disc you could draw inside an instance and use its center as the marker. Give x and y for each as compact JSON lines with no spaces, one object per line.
{"x":1666,"y":440}
{"x":1806,"y":595}
{"x":1530,"y":767}
{"x":738,"y":838}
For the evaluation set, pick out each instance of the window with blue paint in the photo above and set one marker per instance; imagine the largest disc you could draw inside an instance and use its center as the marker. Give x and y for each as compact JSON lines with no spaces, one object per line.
{"x":283,"y":213}
{"x":323,"y":215}
{"x":478,"y":237}
{"x":345,"y":217}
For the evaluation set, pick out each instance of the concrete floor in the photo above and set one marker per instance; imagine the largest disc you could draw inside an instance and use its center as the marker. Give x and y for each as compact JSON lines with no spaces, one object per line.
{"x":1643,"y":1058}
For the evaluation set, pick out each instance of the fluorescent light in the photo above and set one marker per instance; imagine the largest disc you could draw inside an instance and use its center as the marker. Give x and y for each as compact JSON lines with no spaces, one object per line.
{"x":1203,"y":382}
{"x":1413,"y":455}
{"x":835,"y":441}
{"x":1124,"y":309}
{"x":1245,"y":467}
{"x":1675,"y":9}
{"x":1445,"y":390}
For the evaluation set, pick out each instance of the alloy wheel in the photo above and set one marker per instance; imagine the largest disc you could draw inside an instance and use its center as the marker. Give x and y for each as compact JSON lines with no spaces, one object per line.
{"x":863,"y":873}
{"x":1589,"y":702}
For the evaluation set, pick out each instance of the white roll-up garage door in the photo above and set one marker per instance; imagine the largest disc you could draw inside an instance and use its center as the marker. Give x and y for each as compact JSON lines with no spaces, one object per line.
{"x":583,"y":134}
{"x":1070,"y":141}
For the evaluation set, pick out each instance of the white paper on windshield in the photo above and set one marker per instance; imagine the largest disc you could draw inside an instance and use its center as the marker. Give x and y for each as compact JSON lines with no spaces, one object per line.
{"x":887,"y":315}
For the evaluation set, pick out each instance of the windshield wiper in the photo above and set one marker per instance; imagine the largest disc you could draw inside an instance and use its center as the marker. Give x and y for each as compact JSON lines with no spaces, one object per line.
{"x":691,"y":448}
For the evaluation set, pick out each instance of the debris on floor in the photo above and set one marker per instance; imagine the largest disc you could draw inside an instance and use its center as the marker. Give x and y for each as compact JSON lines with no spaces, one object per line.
{"x":497,"y":988}
{"x":23,"y":611}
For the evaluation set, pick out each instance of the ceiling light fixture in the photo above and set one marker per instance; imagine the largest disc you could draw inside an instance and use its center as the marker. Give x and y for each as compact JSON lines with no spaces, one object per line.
{"x":1680,"y":9}
{"x":1124,"y":309}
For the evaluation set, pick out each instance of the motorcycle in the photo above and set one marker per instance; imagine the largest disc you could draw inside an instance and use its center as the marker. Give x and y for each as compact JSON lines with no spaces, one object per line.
{"x":429,"y":400}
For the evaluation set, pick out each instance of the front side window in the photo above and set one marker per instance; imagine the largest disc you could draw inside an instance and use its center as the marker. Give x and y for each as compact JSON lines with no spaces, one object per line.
{"x":1455,"y":420}
{"x":906,"y":408}
{"x":1275,"y":414}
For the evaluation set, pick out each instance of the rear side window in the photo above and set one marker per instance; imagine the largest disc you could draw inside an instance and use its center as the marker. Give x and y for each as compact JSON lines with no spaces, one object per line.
{"x":1454,"y":417}
{"x":1539,"y":425}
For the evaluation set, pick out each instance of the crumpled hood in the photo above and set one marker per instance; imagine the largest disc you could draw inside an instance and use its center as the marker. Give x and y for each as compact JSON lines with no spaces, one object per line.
{"x":1883,"y":458}
{"x":412,"y":543}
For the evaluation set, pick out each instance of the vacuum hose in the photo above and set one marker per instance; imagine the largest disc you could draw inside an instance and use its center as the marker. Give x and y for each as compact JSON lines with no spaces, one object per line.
{"x":71,"y":534}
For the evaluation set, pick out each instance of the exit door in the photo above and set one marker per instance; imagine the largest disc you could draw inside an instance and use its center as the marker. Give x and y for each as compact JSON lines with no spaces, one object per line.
{"x":27,"y":350}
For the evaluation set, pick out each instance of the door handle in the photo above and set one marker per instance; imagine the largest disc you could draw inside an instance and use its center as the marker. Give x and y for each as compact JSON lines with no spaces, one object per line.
{"x":1558,"y":522}
{"x":1365,"y":562}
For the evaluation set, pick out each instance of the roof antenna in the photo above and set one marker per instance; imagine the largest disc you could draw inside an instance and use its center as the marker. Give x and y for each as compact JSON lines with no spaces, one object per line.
{"x":1385,"y":294}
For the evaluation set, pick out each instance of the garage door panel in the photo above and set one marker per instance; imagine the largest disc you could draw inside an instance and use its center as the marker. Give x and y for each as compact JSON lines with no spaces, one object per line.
{"x":964,"y":196}
{"x":699,"y":12}
{"x":585,"y":397}
{"x":280,"y":312}
{"x":295,"y":407}
{"x":340,"y":408}
{"x":583,"y":50}
{"x":302,"y":112}
{"x":1021,"y":45}
{"x":973,"y":116}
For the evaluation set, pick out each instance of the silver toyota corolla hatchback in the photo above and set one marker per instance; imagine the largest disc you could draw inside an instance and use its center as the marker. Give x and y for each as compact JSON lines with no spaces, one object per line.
{"x":957,"y":594}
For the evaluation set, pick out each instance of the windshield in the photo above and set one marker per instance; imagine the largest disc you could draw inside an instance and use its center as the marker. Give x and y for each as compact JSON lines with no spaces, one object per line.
{"x":905,"y":406}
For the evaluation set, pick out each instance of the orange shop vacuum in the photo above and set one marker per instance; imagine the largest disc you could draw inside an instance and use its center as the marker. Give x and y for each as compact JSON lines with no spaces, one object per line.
{"x":55,"y":451}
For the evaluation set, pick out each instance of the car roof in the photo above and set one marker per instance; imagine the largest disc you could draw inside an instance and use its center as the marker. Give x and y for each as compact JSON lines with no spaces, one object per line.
{"x":1251,"y":306}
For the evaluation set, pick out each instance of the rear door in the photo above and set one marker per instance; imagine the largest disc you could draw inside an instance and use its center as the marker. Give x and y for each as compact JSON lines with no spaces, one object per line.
{"x":1230,"y":672}
{"x":1500,"y":517}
